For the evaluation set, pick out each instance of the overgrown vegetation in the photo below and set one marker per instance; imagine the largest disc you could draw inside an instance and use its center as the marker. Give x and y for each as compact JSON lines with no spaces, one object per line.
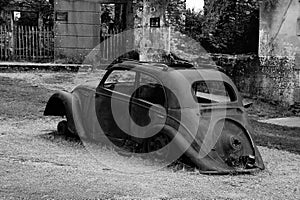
{"x":43,"y":7}
{"x":194,"y":23}
{"x":229,"y":27}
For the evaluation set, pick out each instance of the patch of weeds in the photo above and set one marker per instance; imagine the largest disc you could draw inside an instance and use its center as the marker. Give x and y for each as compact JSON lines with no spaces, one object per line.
{"x":22,"y":100}
{"x":60,"y":78}
{"x":183,"y":164}
{"x":56,"y":138}
{"x":265,"y":109}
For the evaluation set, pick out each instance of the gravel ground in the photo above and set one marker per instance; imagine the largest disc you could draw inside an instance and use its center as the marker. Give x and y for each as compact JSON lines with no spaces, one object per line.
{"x":36,"y":163}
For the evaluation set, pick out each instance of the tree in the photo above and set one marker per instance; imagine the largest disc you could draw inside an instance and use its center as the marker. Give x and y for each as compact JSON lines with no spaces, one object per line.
{"x":231,"y":27}
{"x":193,"y":24}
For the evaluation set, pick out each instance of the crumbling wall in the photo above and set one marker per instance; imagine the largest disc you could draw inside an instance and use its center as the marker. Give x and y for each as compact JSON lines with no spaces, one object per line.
{"x":279,"y":52}
{"x":271,"y":78}
{"x":153,"y":41}
{"x":278,"y":79}
{"x":280,"y":29}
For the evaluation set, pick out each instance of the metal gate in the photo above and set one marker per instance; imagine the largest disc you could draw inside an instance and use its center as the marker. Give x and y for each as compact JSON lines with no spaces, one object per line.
{"x":112,"y":23}
{"x":5,"y":43}
{"x":26,"y":43}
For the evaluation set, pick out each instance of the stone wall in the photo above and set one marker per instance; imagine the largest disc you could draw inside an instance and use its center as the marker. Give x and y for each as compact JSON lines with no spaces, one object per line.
{"x":274,"y":79}
{"x":278,"y":78}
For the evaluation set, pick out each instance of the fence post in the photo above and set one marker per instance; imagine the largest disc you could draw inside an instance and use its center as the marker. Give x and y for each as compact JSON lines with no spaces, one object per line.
{"x":1,"y":42}
{"x":40,"y":41}
{"x":5,"y":42}
{"x":12,"y":40}
{"x":23,"y":42}
{"x":33,"y":42}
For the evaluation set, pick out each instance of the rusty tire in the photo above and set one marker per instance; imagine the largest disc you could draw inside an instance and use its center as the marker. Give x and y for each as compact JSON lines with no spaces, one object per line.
{"x":158,"y":146}
{"x":62,"y":128}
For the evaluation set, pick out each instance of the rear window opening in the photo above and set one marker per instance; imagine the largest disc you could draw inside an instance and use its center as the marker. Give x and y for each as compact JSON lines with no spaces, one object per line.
{"x":208,"y":92}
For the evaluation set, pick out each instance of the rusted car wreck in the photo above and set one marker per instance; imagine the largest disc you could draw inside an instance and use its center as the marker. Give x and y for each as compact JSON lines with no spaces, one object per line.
{"x":164,"y":110}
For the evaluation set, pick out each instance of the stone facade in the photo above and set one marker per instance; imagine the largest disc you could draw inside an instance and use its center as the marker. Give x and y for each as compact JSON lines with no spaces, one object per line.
{"x":279,"y":50}
{"x":280,"y":29}
{"x":151,"y":41}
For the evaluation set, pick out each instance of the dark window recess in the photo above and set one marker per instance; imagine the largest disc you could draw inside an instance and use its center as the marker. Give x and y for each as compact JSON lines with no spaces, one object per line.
{"x":207,"y":92}
{"x":61,"y":16}
{"x":155,"y":22}
{"x":25,"y":18}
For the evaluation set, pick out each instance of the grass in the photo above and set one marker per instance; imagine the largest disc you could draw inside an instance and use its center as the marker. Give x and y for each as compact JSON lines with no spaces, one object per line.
{"x":22,"y":100}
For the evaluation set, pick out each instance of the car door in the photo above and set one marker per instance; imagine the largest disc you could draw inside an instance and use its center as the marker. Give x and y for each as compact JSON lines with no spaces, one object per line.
{"x":112,"y":102}
{"x":147,"y":108}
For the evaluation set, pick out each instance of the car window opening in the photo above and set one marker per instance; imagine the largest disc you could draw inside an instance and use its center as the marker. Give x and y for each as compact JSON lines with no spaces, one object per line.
{"x":208,"y":92}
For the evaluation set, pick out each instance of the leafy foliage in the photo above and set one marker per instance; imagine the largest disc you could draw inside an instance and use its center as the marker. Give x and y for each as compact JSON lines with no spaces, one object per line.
{"x":193,"y":24}
{"x":4,"y":3}
{"x":231,"y":27}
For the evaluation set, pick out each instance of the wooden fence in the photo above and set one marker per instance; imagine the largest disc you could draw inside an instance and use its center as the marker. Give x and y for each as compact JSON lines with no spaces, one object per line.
{"x":26,"y":43}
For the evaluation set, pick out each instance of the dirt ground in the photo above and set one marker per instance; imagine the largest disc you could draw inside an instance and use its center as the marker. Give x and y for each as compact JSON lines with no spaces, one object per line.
{"x":36,"y":163}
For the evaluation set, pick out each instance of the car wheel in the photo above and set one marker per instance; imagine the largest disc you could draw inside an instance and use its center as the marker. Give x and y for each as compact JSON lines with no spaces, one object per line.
{"x":62,"y":128}
{"x":234,"y":145}
{"x":158,"y":146}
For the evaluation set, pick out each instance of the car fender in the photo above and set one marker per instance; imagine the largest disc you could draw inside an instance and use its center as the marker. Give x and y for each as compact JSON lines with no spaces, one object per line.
{"x":204,"y":164}
{"x":60,"y":104}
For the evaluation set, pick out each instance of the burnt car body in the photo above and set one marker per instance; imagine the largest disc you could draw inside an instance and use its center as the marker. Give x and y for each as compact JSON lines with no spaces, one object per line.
{"x":164,"y":110}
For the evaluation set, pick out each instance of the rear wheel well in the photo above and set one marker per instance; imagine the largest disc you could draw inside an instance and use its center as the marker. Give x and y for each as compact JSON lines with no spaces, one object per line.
{"x":55,"y":107}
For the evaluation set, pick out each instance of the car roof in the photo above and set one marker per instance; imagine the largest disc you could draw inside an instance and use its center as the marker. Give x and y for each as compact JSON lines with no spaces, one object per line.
{"x":177,"y":72}
{"x":159,"y":66}
{"x":175,"y":76}
{"x":174,"y":71}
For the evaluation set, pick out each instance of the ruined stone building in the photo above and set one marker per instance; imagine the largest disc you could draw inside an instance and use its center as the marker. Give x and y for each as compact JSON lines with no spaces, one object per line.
{"x":280,"y":29}
{"x":280,"y":41}
{"x":82,"y":25}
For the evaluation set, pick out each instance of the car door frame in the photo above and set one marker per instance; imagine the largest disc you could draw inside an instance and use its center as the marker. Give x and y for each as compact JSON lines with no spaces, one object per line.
{"x":122,"y":97}
{"x":160,"y":116}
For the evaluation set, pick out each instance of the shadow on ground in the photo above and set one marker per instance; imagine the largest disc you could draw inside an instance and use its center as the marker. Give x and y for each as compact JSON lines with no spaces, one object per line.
{"x":69,"y":140}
